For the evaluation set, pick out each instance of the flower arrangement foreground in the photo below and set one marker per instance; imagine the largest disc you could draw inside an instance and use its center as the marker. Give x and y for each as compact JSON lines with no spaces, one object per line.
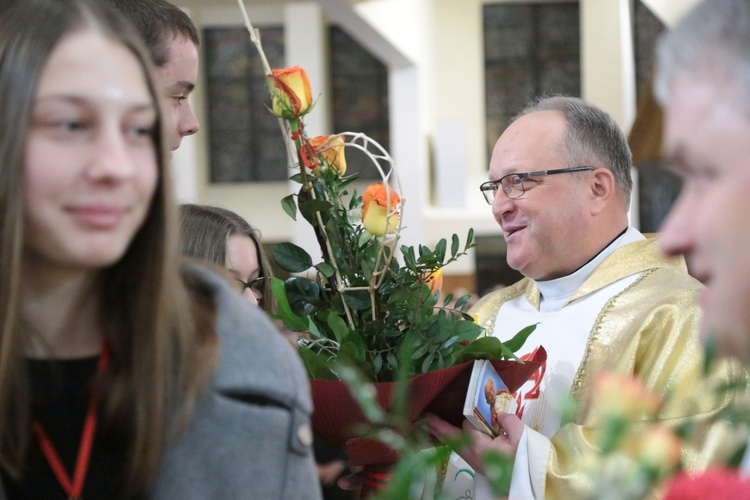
{"x":638,"y":458}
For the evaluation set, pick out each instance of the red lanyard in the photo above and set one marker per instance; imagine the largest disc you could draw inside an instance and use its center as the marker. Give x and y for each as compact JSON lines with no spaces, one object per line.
{"x":74,"y":488}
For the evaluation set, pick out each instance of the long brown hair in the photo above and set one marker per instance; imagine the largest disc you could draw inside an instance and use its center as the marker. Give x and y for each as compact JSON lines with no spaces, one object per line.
{"x":162,"y":343}
{"x":204,"y":230}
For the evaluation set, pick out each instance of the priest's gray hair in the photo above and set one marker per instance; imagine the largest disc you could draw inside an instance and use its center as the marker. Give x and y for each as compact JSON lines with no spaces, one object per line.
{"x":592,"y":138}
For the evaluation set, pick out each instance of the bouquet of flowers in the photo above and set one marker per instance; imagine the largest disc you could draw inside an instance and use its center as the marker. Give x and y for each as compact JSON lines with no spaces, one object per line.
{"x":366,"y":317}
{"x":362,"y":307}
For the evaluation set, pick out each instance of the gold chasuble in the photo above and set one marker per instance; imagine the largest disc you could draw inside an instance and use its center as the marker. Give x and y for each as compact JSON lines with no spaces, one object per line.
{"x":648,"y":328}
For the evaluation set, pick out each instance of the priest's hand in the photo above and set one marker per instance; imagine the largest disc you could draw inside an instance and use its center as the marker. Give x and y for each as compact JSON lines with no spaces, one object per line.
{"x":506,"y":443}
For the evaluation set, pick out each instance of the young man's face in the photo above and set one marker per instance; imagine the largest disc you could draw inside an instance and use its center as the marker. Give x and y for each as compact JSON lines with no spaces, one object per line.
{"x":707,"y":139}
{"x":175,"y":81}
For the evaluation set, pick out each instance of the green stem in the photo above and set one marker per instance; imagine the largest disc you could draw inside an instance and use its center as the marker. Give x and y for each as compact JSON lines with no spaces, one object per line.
{"x":319,"y":228}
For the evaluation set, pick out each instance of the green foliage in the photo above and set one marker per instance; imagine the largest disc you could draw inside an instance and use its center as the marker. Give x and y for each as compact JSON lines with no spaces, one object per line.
{"x":499,"y":470}
{"x":362,"y":305}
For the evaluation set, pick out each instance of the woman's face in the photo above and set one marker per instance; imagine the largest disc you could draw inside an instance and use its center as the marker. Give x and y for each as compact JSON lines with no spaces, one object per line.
{"x":91,"y":167}
{"x":242,"y":262}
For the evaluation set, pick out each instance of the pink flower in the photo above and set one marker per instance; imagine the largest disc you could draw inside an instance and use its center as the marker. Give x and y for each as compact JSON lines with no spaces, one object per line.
{"x":713,"y":484}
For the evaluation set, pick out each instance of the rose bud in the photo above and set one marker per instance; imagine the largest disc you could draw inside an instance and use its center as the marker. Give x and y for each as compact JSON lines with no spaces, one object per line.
{"x":291,"y":96}
{"x":376,"y":217}
{"x":331,"y":149}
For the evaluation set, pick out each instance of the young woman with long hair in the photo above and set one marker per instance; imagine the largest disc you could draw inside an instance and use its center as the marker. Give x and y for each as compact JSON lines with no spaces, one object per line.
{"x":121,"y":374}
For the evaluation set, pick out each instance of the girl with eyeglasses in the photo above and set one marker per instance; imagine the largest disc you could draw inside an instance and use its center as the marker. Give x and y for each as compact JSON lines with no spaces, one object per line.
{"x":224,"y":238}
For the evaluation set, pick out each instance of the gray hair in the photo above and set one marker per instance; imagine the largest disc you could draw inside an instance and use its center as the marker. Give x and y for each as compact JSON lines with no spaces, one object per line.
{"x":712,"y":39}
{"x":592,"y":138}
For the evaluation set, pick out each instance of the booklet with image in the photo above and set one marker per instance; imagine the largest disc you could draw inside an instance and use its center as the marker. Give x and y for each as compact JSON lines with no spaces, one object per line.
{"x":486,"y":396}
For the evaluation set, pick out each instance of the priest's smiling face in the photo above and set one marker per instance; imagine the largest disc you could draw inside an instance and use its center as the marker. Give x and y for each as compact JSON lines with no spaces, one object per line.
{"x":707,"y":139}
{"x":547,"y":230}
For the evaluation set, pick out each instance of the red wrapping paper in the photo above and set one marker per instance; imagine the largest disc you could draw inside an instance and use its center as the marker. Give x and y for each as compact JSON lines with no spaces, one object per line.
{"x":442,"y":392}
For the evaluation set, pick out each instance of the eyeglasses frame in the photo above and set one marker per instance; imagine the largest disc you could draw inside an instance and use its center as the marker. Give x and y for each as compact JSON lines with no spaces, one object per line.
{"x":251,"y":285}
{"x":492,"y":186}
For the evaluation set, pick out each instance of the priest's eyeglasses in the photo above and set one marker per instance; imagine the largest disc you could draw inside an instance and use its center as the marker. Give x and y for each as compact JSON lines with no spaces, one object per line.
{"x":515,"y":185}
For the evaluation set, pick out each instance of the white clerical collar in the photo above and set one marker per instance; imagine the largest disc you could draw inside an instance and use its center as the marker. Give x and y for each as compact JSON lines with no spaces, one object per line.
{"x":556,"y":293}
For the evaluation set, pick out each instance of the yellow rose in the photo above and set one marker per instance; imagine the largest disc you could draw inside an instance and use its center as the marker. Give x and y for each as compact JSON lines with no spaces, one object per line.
{"x":376,"y":217}
{"x":331,"y":148}
{"x":291,"y":96}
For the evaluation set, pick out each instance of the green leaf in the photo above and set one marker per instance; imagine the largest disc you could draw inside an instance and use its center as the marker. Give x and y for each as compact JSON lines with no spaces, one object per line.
{"x":303,"y":295}
{"x":290,"y":257}
{"x":427,"y":362}
{"x":317,"y":367}
{"x":409,"y":259}
{"x":353,"y":339}
{"x":289,"y":206}
{"x":486,"y":348}
{"x":377,"y":364}
{"x":392,"y":361}
{"x":440,"y":250}
{"x":363,"y":239}
{"x":419,"y":351}
{"x":326,"y":269}
{"x":358,"y":299}
{"x":449,"y":342}
{"x":338,"y":326}
{"x":461,"y":302}
{"x":454,"y":246}
{"x":470,"y":239}
{"x":308,"y":208}
{"x":314,"y":332}
{"x":349,"y":352}
{"x":291,"y":320}
{"x":518,"y":340}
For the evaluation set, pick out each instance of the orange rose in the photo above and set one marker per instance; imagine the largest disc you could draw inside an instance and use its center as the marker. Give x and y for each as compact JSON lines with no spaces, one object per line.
{"x":376,"y":217}
{"x":291,"y":96}
{"x":331,"y":148}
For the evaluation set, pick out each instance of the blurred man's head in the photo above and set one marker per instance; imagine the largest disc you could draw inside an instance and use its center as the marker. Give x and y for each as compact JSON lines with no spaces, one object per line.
{"x":172,"y":41}
{"x":703,"y":82}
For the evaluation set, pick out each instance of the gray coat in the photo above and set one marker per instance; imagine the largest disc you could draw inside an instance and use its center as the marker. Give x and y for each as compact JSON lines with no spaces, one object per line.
{"x":250,"y":436}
